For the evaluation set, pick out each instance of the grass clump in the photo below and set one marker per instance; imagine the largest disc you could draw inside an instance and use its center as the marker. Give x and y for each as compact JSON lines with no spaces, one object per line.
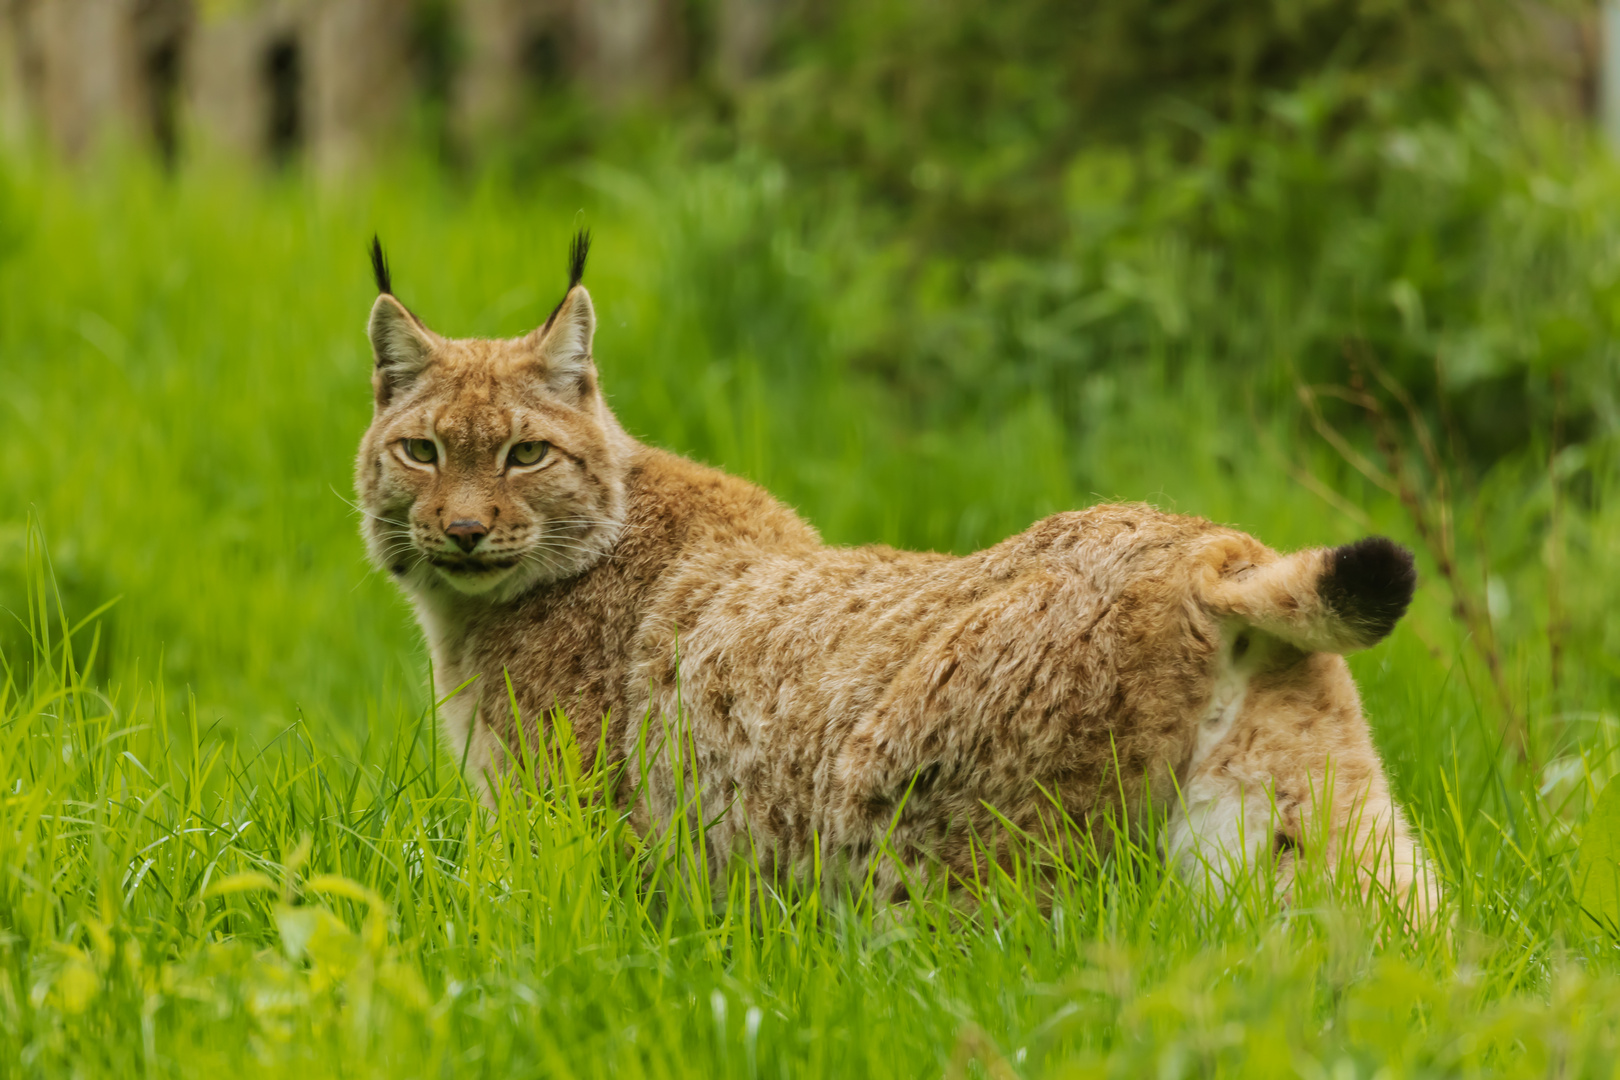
{"x":229,"y":838}
{"x":175,"y":905}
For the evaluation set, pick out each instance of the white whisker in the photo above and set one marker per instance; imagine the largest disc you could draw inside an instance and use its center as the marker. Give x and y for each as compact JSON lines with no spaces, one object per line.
{"x":551,"y":544}
{"x":357,"y":508}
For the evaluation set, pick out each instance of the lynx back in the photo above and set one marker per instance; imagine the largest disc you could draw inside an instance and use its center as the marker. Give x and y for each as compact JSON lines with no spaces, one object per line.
{"x":886,"y":715}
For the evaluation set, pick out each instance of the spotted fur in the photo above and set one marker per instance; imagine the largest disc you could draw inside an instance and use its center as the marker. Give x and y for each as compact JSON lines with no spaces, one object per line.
{"x":882,"y":711}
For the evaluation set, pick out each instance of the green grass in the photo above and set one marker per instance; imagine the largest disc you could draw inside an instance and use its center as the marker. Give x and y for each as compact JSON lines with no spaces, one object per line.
{"x":185,"y":379}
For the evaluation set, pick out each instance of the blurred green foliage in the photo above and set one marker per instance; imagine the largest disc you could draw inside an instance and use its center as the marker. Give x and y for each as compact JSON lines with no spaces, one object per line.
{"x":793,"y":329}
{"x":176,"y":907}
{"x":942,"y":271}
{"x":1060,"y":190}
{"x":967,"y":115}
{"x":1474,"y":268}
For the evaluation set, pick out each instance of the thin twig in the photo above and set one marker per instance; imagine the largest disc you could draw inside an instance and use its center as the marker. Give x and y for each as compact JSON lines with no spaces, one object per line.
{"x":1427,"y":503}
{"x":1555,"y":546}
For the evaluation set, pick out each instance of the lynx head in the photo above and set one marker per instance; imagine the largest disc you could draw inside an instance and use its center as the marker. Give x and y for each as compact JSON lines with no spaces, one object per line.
{"x":490,"y":466}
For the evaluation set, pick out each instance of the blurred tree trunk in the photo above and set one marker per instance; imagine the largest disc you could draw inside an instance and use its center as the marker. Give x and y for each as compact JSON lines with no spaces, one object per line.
{"x":281,"y":78}
{"x":245,"y":92}
{"x":631,"y":49}
{"x":515,"y":50}
{"x":744,"y":34}
{"x":82,"y":70}
{"x":360,"y":80}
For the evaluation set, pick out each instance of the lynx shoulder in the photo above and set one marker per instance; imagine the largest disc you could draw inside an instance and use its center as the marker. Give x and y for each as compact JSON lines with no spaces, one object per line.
{"x":875,"y":711}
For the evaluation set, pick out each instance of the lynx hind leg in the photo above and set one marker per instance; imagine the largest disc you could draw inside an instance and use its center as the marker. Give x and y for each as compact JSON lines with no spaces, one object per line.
{"x":1284,"y":759}
{"x":1351,"y":818}
{"x":1221,"y":834}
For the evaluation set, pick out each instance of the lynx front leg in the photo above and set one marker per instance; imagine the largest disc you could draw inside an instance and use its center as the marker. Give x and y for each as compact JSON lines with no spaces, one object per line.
{"x":1234,"y":821}
{"x":470,"y":742}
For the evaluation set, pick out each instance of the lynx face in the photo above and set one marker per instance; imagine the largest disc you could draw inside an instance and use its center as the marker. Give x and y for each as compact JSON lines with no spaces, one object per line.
{"x":855,"y":707}
{"x":489,"y":466}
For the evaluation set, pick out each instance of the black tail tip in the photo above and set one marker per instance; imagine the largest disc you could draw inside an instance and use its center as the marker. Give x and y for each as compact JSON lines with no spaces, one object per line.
{"x":379,"y":267}
{"x":578,"y":251}
{"x":1369,"y":584}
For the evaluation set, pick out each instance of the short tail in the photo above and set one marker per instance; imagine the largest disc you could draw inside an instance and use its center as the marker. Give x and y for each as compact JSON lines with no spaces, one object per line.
{"x":1324,"y":599}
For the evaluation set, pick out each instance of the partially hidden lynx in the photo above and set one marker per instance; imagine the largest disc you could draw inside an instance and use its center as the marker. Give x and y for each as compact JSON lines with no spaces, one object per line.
{"x":889,"y":716}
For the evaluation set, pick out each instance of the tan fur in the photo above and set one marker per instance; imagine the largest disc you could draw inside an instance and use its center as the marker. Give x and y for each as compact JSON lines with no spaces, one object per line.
{"x":1098,"y":660}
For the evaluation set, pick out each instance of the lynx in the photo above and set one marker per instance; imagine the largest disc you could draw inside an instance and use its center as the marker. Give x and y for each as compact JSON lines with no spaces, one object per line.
{"x":883,"y":714}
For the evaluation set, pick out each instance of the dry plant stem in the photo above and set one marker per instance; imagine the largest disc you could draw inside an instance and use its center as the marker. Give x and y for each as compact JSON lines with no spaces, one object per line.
{"x":1310,"y":482}
{"x":1343,"y":505}
{"x":1427,"y":506}
{"x":1482,"y":534}
{"x":1555,"y":546}
{"x":1437,"y":532}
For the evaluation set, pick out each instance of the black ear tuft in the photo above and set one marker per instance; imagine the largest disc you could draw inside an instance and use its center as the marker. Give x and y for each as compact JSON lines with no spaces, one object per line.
{"x":1368,"y":584}
{"x":577,"y":251}
{"x":379,"y":267}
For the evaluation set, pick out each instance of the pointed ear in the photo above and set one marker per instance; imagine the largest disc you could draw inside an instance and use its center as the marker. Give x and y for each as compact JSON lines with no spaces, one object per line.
{"x":563,"y":345}
{"x":1324,"y":599}
{"x":401,"y":345}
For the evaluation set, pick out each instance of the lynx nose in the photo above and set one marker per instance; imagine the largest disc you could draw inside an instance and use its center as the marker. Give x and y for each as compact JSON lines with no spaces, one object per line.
{"x":466,"y":533}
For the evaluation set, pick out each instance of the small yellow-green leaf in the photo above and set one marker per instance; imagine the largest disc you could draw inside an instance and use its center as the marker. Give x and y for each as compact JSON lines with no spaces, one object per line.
{"x":76,"y":986}
{"x":296,"y":925}
{"x":333,"y":948}
{"x":1597,"y":876}
{"x":252,"y":881}
{"x":333,"y":885}
{"x":296,"y":858}
{"x":406,"y":985}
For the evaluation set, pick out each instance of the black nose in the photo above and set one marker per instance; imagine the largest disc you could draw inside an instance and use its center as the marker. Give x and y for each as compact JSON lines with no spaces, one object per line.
{"x":467,"y":533}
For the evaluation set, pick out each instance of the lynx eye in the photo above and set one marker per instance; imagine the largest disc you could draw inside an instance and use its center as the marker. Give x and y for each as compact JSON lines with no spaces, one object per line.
{"x":421,"y":450}
{"x":527,"y":453}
